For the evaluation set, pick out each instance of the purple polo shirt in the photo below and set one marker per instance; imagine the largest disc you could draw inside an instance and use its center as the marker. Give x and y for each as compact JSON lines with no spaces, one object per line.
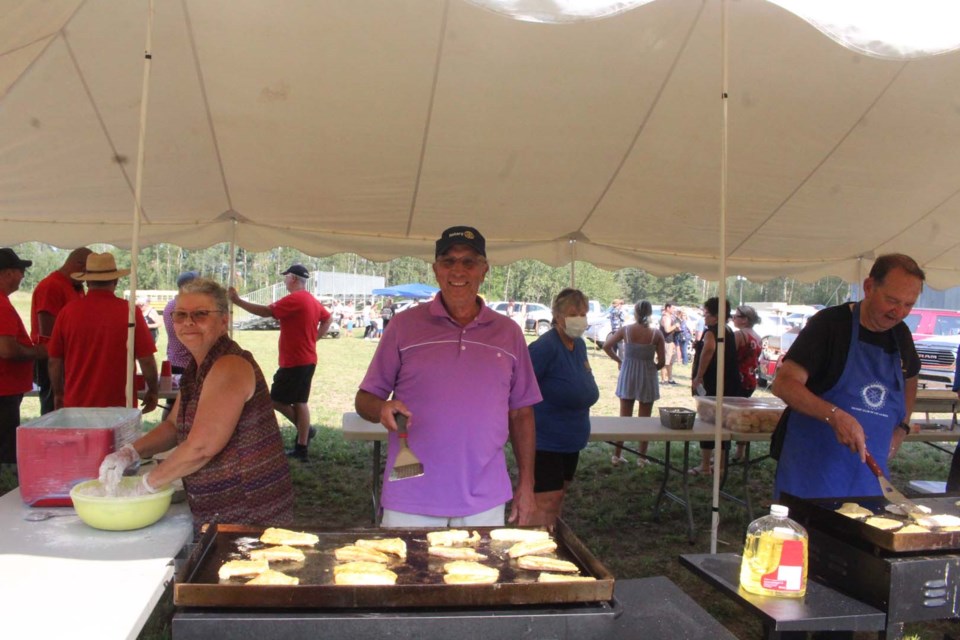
{"x":459,"y":383}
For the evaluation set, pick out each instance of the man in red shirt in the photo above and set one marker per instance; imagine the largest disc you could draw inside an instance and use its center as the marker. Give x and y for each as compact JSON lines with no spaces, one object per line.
{"x":17,"y":353}
{"x":50,"y":296}
{"x":303,"y":321}
{"x":88,"y":348}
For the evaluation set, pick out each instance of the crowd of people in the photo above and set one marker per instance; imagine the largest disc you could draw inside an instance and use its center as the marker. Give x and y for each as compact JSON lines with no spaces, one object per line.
{"x":462,"y":376}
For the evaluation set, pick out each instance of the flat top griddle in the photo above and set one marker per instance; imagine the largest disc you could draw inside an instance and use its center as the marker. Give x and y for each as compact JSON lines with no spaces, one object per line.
{"x":820,"y":513}
{"x":419,"y":578}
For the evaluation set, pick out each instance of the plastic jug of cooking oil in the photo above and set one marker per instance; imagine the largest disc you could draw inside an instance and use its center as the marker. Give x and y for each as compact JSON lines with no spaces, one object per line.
{"x":775,"y":556}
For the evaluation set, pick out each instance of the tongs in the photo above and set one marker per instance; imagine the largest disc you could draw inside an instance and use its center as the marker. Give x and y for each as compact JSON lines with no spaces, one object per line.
{"x":891,"y":493}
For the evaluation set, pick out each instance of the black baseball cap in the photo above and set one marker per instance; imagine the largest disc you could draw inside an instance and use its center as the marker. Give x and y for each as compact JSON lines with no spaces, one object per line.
{"x":297,"y":270}
{"x":10,"y":260}
{"x":461,"y":235}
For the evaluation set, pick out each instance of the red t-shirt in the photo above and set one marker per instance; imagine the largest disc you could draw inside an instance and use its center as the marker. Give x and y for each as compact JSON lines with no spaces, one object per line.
{"x":299,"y":314}
{"x":51,"y":295}
{"x":91,"y":337}
{"x":16,"y":376}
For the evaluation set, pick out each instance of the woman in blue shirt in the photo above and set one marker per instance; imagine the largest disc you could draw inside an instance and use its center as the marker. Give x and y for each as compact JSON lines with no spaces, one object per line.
{"x":569,"y":390}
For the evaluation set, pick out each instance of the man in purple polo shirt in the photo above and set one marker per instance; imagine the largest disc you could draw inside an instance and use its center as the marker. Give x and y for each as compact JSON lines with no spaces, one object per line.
{"x":462,"y":375}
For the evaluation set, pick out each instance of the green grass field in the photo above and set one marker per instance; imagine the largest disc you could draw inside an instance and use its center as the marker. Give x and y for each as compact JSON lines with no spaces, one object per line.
{"x":610,"y":508}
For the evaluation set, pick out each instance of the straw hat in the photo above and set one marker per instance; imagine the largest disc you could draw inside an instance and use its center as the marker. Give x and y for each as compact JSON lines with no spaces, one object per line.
{"x":100,"y":267}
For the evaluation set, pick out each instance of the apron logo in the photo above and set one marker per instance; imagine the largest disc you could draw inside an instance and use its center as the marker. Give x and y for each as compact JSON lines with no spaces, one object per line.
{"x":874,"y":395}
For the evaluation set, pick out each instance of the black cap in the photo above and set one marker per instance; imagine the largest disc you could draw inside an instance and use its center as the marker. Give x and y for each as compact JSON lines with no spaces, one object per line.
{"x":297,"y":270}
{"x":10,"y":260}
{"x":461,"y":235}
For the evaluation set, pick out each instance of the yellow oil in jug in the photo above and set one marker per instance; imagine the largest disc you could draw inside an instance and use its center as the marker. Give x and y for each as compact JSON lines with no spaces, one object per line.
{"x":762,"y":553}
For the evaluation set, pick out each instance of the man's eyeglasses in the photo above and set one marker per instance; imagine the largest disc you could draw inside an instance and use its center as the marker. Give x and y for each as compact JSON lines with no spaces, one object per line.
{"x":467,"y":262}
{"x":198,"y":316}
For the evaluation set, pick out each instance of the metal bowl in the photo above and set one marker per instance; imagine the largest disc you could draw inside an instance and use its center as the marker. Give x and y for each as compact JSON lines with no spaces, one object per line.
{"x":677,"y":417}
{"x":119,"y":513}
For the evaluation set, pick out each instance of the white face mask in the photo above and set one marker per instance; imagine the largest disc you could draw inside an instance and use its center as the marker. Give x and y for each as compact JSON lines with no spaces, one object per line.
{"x":574,"y":326}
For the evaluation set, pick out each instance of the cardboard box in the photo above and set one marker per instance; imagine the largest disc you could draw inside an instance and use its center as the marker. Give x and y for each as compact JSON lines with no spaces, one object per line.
{"x":744,"y":415}
{"x":65,"y":447}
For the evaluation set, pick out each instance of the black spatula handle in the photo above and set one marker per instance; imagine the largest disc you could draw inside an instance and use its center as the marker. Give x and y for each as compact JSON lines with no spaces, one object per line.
{"x":401,"y":424}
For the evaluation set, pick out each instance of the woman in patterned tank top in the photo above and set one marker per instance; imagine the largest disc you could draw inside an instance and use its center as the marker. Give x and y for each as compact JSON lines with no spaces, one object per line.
{"x":229,"y":452}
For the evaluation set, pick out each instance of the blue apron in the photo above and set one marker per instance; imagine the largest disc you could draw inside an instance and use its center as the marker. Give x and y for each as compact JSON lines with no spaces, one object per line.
{"x":871,"y":389}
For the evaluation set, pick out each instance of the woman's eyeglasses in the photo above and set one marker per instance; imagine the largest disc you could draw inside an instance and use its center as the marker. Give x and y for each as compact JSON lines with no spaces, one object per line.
{"x":739,"y":315}
{"x":198,"y":316}
{"x":468,"y":262}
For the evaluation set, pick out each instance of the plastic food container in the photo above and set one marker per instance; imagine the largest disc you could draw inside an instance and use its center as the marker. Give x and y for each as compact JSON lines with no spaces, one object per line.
{"x":118,"y":513}
{"x":744,"y":415}
{"x":677,"y":417}
{"x":64,"y":447}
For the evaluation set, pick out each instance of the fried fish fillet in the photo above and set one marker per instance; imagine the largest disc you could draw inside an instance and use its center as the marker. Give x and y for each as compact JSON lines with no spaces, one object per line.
{"x":352,"y":552}
{"x":281,"y":553}
{"x":887,"y":524}
{"x":557,"y":577}
{"x":274,"y":535}
{"x":911,"y":528}
{"x":518,"y":535}
{"x":452,"y":538}
{"x":456,"y":553}
{"x":238,"y":568}
{"x":532,"y":548}
{"x":543,"y":563}
{"x":357,"y":578}
{"x":465,"y":578}
{"x":471,"y":568}
{"x":358,"y":566}
{"x":854,"y":510}
{"x":274,"y":578}
{"x":395,"y":546}
{"x":939,"y":520}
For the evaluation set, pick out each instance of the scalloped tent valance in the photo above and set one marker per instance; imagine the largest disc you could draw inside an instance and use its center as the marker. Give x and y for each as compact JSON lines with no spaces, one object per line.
{"x":370,"y":126}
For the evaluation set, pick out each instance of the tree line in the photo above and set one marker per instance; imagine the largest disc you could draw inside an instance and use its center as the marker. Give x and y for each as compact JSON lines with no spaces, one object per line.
{"x":525,"y":280}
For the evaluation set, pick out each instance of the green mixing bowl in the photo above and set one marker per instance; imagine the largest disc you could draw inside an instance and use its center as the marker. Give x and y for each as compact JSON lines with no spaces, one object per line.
{"x":117,"y":513}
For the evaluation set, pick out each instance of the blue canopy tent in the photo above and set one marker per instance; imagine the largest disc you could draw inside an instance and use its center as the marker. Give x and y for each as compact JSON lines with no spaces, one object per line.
{"x":414,"y":290}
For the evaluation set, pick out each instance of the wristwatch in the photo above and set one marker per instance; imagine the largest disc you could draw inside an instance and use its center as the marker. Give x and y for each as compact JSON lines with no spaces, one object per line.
{"x":906,"y":427}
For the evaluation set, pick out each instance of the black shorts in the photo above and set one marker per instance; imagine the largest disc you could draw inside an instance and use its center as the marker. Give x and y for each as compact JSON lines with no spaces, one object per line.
{"x":291,"y":385}
{"x":551,"y":470}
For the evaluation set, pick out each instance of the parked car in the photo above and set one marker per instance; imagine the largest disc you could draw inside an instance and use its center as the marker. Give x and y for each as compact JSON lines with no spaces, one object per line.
{"x":938,"y":358}
{"x":539,"y":321}
{"x":771,"y":325}
{"x":771,"y":356}
{"x":599,"y":330}
{"x":929,"y":323}
{"x":533,"y":309}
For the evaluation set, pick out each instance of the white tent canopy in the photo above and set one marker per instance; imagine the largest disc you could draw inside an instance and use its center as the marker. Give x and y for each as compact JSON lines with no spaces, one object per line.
{"x":369,"y":126}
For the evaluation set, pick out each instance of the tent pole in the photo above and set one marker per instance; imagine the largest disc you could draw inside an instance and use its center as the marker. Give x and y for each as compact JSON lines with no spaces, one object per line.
{"x":137,"y":209}
{"x":573,"y":264}
{"x":233,"y":264}
{"x":722,"y":293}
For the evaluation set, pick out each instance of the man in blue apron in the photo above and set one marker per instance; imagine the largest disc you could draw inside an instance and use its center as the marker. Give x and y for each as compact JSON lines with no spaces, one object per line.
{"x":849,"y":381}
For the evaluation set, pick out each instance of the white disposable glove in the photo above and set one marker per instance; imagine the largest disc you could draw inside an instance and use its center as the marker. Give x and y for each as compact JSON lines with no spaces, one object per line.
{"x":113,"y":466}
{"x":143,"y":487}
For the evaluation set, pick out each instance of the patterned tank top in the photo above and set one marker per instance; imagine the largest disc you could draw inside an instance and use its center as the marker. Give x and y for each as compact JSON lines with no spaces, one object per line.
{"x":248,"y":482}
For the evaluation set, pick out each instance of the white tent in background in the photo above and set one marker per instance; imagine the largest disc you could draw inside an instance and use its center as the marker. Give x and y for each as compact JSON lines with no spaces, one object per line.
{"x":369,"y":126}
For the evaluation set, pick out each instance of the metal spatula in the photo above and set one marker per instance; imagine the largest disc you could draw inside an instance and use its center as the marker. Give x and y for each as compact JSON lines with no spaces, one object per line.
{"x":405,"y":465}
{"x":892,"y":494}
